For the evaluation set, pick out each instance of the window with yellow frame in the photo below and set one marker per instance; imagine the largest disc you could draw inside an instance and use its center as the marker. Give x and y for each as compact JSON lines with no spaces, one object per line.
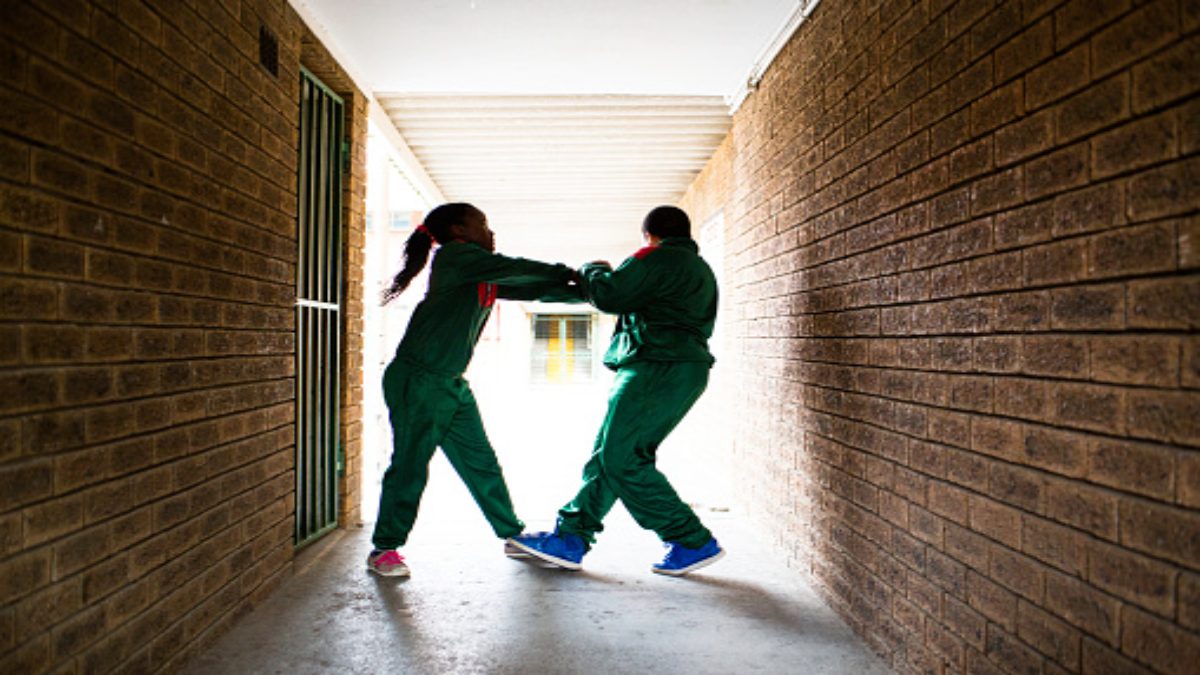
{"x":562,"y":348}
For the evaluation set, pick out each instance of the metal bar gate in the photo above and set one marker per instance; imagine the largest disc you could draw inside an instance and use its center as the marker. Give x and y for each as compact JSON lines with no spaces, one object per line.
{"x":318,"y":311}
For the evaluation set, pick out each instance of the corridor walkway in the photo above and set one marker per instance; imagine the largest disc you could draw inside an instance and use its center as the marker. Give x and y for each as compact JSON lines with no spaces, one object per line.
{"x":468,"y":609}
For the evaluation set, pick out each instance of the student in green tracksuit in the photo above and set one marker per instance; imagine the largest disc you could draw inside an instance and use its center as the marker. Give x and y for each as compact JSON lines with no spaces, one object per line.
{"x":666,"y":296}
{"x":429,"y":402}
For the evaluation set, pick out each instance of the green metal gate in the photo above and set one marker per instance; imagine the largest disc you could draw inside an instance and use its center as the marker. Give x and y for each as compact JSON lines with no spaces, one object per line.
{"x":318,"y":311}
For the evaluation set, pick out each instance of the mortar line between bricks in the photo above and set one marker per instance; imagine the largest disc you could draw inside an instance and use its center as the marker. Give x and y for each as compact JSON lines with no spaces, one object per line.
{"x":216,"y":627}
{"x":999,"y":416}
{"x":100,"y":364}
{"x":139,"y":255}
{"x":119,"y":58}
{"x":816,"y":265}
{"x":940,"y":548}
{"x":200,"y":641}
{"x":146,"y":361}
{"x":876,"y":337}
{"x":150,"y":293}
{"x":150,"y":361}
{"x":153,"y":503}
{"x":163,"y":397}
{"x":967,"y":182}
{"x":97,"y":167}
{"x":73,"y":199}
{"x":1127,"y":496}
{"x":1083,"y":236}
{"x":139,"y":399}
{"x":974,"y":373}
{"x":1024,"y":377}
{"x":979,"y":296}
{"x":1165,"y":332}
{"x":997,"y":543}
{"x":155,"y":432}
{"x":142,"y":290}
{"x":186,"y":489}
{"x":177,"y":327}
{"x":266,"y":132}
{"x":50,"y":544}
{"x":902,"y":593}
{"x":1020,"y":75}
{"x":183,"y":31}
{"x":1100,"y":28}
{"x":154,"y":115}
{"x":168,"y":598}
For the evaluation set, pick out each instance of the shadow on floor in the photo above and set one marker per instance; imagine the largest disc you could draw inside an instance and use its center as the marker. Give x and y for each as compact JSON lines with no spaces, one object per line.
{"x":468,"y":609}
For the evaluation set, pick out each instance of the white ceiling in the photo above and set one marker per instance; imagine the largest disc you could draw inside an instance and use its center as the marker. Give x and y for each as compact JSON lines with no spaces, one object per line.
{"x":550,"y":170}
{"x":565,"y":120}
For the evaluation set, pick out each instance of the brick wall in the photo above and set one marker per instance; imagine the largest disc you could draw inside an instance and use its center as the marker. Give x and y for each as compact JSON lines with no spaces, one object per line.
{"x":963,"y":243}
{"x":147,"y":261}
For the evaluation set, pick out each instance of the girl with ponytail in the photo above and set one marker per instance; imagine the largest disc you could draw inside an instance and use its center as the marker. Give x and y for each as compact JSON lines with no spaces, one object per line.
{"x":429,"y":402}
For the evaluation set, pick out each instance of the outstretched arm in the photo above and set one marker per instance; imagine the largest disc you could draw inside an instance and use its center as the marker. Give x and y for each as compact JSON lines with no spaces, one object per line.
{"x":551,"y":292}
{"x":479,"y":265}
{"x":618,"y":291}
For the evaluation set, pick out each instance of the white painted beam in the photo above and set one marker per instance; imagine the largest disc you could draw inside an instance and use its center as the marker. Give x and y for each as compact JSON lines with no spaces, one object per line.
{"x":408,"y":162}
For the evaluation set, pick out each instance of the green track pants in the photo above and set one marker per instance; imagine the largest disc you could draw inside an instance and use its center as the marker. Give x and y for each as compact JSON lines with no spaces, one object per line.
{"x":647,"y":400}
{"x":427,"y":410}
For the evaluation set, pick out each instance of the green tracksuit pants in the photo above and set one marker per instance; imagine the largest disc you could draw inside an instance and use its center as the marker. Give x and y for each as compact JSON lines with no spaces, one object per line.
{"x":647,"y":400}
{"x":427,"y":410}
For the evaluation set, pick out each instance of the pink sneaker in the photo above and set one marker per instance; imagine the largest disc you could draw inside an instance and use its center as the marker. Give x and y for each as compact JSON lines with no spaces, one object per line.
{"x":387,"y":563}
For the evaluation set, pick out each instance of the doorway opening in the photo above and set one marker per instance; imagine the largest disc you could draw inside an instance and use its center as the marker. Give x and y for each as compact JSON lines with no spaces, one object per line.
{"x":319,"y":282}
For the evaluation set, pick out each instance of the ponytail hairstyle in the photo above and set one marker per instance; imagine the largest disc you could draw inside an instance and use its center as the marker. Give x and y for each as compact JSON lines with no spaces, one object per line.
{"x":436,"y":229}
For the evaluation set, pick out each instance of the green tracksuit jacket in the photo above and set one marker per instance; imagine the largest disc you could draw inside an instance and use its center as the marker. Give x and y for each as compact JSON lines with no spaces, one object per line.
{"x":666,"y":297}
{"x":429,"y":402}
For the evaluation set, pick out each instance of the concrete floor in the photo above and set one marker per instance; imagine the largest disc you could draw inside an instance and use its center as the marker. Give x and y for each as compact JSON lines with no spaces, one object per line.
{"x":468,"y":609}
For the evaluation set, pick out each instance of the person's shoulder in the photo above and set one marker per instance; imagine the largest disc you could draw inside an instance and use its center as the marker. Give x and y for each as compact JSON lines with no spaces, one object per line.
{"x":462,"y":250}
{"x":459,"y":246}
{"x":644,"y":252}
{"x":453,"y":257}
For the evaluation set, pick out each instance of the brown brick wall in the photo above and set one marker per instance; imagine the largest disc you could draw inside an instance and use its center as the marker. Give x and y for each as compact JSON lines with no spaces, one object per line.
{"x":147,"y":262}
{"x":965,"y":296}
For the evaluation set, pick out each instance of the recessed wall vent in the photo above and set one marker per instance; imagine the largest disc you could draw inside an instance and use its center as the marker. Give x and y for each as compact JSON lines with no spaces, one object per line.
{"x":268,"y":50}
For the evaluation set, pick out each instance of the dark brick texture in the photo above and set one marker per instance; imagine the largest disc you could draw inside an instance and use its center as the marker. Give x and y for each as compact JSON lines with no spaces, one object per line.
{"x":147,"y":262}
{"x":963,"y":298}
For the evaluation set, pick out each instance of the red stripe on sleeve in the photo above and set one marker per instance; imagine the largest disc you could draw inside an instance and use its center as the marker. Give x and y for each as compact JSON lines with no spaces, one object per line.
{"x":487,"y":294}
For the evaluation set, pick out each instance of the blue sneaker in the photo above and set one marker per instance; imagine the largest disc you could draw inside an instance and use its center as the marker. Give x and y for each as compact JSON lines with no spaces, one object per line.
{"x":680,"y":559}
{"x":565,"y":550}
{"x":511,"y":550}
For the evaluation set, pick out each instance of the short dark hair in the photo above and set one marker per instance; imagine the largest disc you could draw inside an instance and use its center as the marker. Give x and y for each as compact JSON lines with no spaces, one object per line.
{"x":667,"y":221}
